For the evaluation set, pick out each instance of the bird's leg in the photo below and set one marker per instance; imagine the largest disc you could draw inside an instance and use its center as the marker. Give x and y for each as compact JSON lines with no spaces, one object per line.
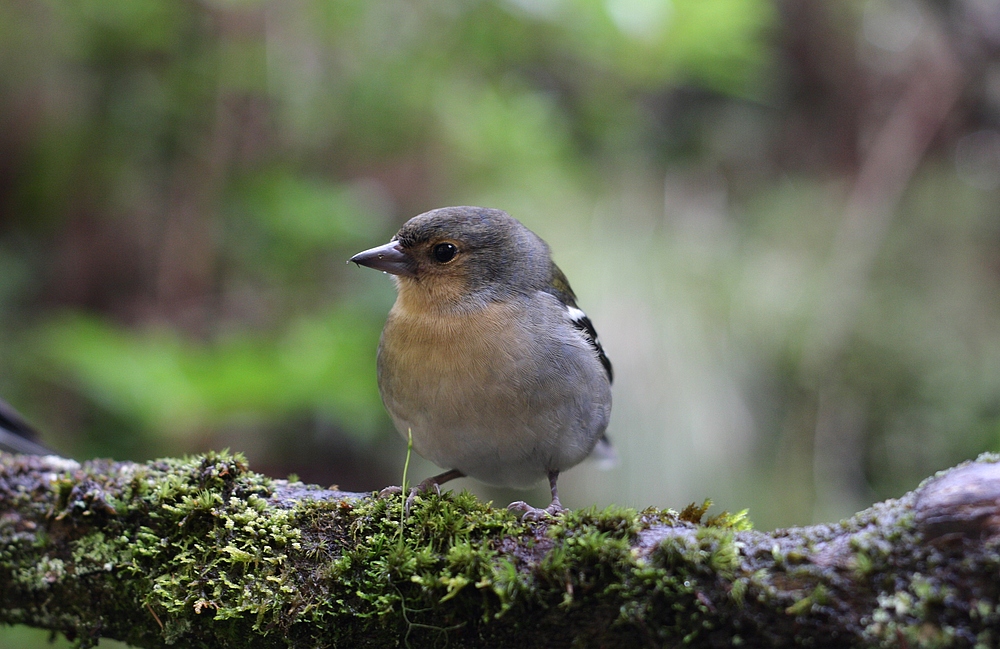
{"x":529,"y":513}
{"x":555,"y":507}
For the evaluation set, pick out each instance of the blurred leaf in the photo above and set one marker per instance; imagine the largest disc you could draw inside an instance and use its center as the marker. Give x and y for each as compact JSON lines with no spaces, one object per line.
{"x":122,"y":24}
{"x":721,"y":44}
{"x":22,"y":637}
{"x":311,"y":214}
{"x":503,"y":136}
{"x":323,"y":365}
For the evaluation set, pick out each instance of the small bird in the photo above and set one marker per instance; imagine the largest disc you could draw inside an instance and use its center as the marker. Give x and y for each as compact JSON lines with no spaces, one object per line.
{"x":485,"y":358}
{"x":17,"y":435}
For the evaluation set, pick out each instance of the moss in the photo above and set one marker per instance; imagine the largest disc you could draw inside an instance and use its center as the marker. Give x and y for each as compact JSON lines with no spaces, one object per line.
{"x":199,"y":544}
{"x":201,"y":535}
{"x":203,"y":552}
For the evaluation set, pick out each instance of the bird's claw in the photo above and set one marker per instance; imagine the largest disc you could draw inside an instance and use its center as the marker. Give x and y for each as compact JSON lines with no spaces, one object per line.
{"x":394,"y":490}
{"x":390,"y":491}
{"x":410,"y":500}
{"x":530,"y":514}
{"x":419,"y":490}
{"x":422,"y":488}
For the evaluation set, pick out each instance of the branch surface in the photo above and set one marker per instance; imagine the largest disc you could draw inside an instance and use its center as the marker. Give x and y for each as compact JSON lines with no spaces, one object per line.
{"x":202,"y":552}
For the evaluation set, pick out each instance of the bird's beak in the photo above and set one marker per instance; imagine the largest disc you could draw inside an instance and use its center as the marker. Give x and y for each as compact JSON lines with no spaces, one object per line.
{"x":389,"y":258}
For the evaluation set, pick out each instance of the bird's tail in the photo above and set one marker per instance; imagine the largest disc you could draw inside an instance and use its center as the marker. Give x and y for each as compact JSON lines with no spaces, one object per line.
{"x":604,"y":454}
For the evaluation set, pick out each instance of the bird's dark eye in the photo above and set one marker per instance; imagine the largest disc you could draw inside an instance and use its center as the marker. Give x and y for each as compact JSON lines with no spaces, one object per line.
{"x":444,"y":252}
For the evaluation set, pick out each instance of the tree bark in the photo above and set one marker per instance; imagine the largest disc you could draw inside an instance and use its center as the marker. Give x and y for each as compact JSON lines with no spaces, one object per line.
{"x":202,"y":552}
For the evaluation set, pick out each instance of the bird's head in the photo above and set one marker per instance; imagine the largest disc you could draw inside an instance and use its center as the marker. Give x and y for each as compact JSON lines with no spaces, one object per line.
{"x":462,"y":257}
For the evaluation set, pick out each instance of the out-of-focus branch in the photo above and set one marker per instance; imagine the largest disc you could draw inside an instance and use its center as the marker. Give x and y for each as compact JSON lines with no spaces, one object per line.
{"x":933,"y":86}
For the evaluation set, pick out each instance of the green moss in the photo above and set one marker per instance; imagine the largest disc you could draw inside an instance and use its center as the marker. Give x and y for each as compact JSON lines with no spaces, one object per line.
{"x":208,"y":551}
{"x":448,"y":562}
{"x":577,"y":560}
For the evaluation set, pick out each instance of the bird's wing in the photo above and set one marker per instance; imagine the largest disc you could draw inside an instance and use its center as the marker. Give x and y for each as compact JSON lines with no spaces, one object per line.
{"x":559,"y":287}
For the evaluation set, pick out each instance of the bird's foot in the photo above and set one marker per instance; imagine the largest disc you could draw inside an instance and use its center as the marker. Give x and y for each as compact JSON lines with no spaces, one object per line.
{"x":419,"y":489}
{"x":430,"y":484}
{"x":424,"y":487}
{"x":527,"y":513}
{"x":390,"y":491}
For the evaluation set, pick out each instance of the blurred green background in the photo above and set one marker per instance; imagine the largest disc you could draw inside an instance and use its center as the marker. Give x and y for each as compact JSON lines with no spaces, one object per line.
{"x":782,"y":217}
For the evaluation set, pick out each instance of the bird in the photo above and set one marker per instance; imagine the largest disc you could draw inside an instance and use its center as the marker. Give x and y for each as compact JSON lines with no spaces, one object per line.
{"x":485,"y":361}
{"x":17,"y":435}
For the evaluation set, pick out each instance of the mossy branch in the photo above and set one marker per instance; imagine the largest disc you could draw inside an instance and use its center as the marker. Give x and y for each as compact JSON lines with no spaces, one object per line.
{"x":201,"y":552}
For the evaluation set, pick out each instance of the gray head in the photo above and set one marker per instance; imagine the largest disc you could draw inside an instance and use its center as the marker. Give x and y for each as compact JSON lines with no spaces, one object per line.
{"x":464,"y":252}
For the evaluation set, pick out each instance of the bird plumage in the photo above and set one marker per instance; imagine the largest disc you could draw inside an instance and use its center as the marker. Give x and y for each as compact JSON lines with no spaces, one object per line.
{"x":485,"y":356}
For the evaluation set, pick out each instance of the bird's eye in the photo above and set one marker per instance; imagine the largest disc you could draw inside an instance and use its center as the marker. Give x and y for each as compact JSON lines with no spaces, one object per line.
{"x":444,"y":252}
